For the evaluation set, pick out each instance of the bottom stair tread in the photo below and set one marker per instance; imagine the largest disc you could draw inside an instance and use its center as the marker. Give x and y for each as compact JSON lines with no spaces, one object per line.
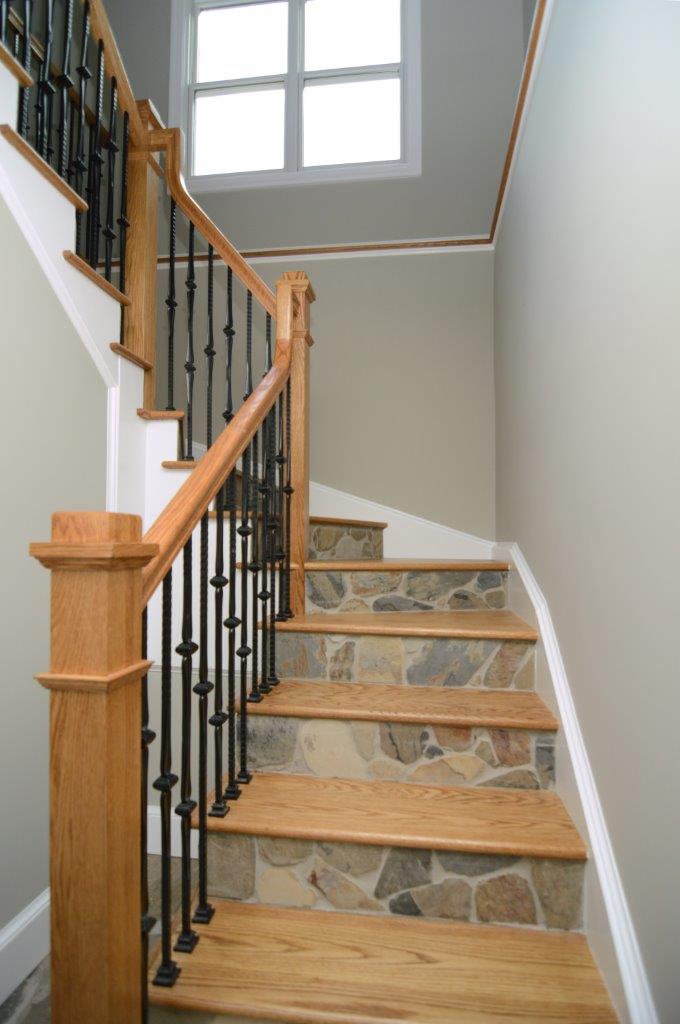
{"x":307,"y":967}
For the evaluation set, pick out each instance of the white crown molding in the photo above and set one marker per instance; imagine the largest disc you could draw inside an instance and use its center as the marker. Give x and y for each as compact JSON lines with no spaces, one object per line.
{"x":24,"y":942}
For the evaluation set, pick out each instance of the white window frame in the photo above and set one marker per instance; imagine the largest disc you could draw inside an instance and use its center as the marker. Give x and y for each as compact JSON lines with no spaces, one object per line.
{"x":183,"y":90}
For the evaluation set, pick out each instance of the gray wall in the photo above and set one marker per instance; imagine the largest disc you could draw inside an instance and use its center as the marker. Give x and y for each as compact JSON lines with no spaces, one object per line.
{"x":473,"y":52}
{"x":54,"y":457}
{"x":587,"y":314}
{"x":402,"y":378}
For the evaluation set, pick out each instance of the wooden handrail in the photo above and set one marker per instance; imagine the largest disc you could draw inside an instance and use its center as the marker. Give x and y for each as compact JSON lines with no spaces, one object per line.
{"x":169,"y":141}
{"x":101,"y":29}
{"x":182,"y":514}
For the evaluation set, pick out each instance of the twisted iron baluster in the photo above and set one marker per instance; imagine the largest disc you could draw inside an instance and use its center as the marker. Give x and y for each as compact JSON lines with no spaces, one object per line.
{"x":123,"y":222}
{"x":46,"y":88}
{"x":95,"y":166}
{"x":265,"y":593}
{"x":280,"y":531}
{"x":209,"y":351}
{"x":24,"y":99}
{"x":254,"y":566}
{"x":218,"y":718}
{"x":288,"y":490}
{"x":84,"y":74}
{"x":112,"y":149}
{"x":168,"y":970}
{"x":65,"y":82}
{"x":4,"y":20}
{"x":229,"y":333}
{"x":171,"y":304}
{"x":189,"y":365}
{"x":148,"y":736}
{"x":187,"y":938}
{"x":272,"y":677}
{"x":232,"y":792}
{"x":244,"y":650}
{"x":204,"y":911}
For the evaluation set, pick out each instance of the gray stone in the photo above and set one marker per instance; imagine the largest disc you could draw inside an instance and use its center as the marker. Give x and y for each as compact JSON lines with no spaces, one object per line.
{"x":428,"y":586}
{"x":443,"y":662}
{"x":370,"y":584}
{"x":451,"y":899}
{"x":495,"y":599}
{"x":559,"y":887}
{"x":401,"y":742}
{"x":231,"y":861}
{"x":325,"y":589}
{"x":489,"y":580}
{"x":284,"y":851}
{"x":405,"y":905}
{"x":463,"y":599}
{"x":545,"y":764}
{"x":403,"y":869}
{"x":351,"y":858}
{"x":507,"y":899}
{"x":473,"y":864}
{"x":397,"y":603}
{"x":300,"y":656}
{"x":341,"y":662}
{"x":271,"y":740}
{"x":485,"y":751}
{"x":520,"y":778}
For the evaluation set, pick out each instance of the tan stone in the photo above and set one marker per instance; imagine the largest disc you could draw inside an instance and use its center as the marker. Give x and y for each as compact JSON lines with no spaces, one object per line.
{"x":284,"y":851}
{"x":352,"y":858}
{"x":369,"y":584}
{"x":365,"y":735}
{"x":559,"y":886}
{"x":401,"y":741}
{"x":328,"y":749}
{"x":451,"y":899}
{"x":382,"y":768}
{"x":485,"y":751}
{"x":341,"y":662}
{"x":355,"y":604}
{"x":505,"y":664}
{"x":283,"y":888}
{"x":506,"y":899}
{"x":467,"y":765}
{"x":526,"y":677}
{"x":379,"y":660}
{"x":511,"y":746}
{"x":448,"y":771}
{"x":455,"y":738}
{"x":231,"y":862}
{"x":340,"y":891}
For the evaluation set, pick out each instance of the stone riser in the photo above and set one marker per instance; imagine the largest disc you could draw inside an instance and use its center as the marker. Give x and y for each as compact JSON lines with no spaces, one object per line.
{"x":419,"y":661}
{"x":385,"y":880}
{"x":344,"y":543}
{"x":404,"y":591}
{"x":436,"y":755}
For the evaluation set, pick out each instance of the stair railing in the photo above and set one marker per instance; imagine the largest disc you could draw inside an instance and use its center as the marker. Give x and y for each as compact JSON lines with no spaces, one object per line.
{"x":244,"y":506}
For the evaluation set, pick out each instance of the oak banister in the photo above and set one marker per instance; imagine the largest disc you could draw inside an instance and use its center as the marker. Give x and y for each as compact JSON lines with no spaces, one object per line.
{"x":169,"y":141}
{"x":182,"y":514}
{"x":101,"y":29}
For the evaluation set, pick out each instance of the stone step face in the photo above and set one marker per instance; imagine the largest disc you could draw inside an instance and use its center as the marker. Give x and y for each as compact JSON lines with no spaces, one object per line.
{"x":387,"y":591}
{"x":417,"y":661}
{"x":391,"y":880}
{"x":439,"y":755}
{"x":343,"y":541}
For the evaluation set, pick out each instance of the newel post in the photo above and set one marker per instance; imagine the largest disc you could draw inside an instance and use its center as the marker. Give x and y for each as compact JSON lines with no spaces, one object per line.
{"x":295,"y":283}
{"x":142,"y":254}
{"x":96,"y":561}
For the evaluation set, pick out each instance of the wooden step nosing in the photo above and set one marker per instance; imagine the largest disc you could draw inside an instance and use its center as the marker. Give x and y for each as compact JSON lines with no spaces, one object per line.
{"x":132,"y":357}
{"x":110,"y":289}
{"x":25,"y":149}
{"x":160,"y":414}
{"x":356,"y":623}
{"x":382,"y":565}
{"x":361,"y":524}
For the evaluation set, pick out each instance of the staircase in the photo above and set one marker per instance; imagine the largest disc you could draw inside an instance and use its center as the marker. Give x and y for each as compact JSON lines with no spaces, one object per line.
{"x":402,"y":811}
{"x":358,"y":745}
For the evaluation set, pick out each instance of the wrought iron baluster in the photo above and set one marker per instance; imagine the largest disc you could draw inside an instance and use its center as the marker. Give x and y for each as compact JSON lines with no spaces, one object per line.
{"x":148,"y":736}
{"x":168,"y":970}
{"x":204,"y":911}
{"x":280,"y":525}
{"x":96,"y":163}
{"x":65,"y":82}
{"x":189,"y":365}
{"x":112,"y":149}
{"x":254,"y":567}
{"x":265,"y":592}
{"x":187,"y":938}
{"x":4,"y":20}
{"x":209,"y":351}
{"x":218,"y":718}
{"x":272,"y":678}
{"x":84,"y":74}
{"x":123,"y":222}
{"x":45,"y":91}
{"x":26,"y":56}
{"x":244,"y":650}
{"x":171,"y":305}
{"x":229,"y":333}
{"x":288,"y":490}
{"x":232,"y":622}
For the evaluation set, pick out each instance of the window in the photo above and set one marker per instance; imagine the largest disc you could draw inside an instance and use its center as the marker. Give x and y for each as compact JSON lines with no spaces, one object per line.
{"x":273,"y":92}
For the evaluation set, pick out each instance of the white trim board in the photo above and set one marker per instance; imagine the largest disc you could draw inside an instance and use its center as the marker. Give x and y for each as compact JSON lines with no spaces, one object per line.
{"x":633,"y":976}
{"x":24,"y":942}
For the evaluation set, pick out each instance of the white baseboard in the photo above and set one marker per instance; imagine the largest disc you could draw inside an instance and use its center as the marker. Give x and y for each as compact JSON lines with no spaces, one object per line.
{"x":407,"y":536}
{"x":634,"y":979}
{"x":24,"y":942}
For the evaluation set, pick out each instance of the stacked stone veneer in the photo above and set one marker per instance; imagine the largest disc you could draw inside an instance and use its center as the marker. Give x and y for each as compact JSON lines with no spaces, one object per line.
{"x":431,"y":755}
{"x":334,"y":542}
{"x":443,"y":590}
{"x":391,"y":880}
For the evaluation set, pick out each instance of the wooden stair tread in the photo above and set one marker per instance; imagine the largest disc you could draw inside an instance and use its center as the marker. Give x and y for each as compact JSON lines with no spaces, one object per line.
{"x":477,"y":625}
{"x":467,"y":819}
{"x":428,"y":705}
{"x":409,"y":565}
{"x":322,"y":968}
{"x":132,"y":357}
{"x":101,"y":282}
{"x":367,"y":524}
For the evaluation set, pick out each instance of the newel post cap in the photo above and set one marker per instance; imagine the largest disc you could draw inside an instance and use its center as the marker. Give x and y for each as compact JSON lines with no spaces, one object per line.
{"x":94,"y":540}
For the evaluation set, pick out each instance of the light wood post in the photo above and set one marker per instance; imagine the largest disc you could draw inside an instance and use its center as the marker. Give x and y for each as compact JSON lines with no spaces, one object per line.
{"x":297,"y":283}
{"x":142,"y":254}
{"x":96,"y":560}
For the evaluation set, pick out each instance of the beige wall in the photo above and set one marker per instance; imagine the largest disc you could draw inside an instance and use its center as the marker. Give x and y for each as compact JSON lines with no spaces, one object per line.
{"x":587,"y":315}
{"x":402,"y":378}
{"x":54,"y":457}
